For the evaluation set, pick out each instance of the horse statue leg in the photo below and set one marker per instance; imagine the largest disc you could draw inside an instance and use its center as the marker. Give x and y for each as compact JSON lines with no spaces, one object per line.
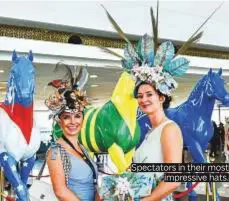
{"x":121,"y":160}
{"x":198,"y":157}
{"x":26,"y":167}
{"x":195,"y":149}
{"x":9,"y":165}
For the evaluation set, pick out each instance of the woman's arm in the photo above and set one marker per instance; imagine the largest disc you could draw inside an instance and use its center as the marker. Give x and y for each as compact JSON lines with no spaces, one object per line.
{"x":62,"y":192}
{"x":172,"y":146}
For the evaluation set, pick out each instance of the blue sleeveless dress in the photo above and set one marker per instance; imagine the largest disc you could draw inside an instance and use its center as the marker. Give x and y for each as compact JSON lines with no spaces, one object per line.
{"x":80,"y":180}
{"x":78,"y":174}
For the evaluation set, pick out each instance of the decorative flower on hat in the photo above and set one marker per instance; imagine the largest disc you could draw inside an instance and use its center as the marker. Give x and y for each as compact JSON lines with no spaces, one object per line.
{"x":158,"y":68}
{"x":150,"y":62}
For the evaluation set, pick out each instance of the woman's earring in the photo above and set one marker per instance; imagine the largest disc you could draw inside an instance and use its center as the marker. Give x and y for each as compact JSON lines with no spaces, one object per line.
{"x":162,"y":98}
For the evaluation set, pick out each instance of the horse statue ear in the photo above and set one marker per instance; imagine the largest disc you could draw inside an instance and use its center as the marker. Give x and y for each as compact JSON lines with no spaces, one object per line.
{"x":30,"y":56}
{"x":220,"y":71}
{"x":14,"y":56}
{"x":210,"y":72}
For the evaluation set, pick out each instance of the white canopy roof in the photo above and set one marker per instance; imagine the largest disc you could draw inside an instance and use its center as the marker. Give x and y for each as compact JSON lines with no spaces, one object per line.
{"x":177,"y":19}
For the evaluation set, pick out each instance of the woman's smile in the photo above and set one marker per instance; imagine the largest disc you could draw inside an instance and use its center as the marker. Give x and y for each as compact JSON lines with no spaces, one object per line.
{"x":72,"y":128}
{"x":146,"y":105}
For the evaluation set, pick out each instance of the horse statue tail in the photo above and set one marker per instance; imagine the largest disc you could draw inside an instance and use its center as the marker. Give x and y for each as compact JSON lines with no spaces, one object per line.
{"x":113,"y":128}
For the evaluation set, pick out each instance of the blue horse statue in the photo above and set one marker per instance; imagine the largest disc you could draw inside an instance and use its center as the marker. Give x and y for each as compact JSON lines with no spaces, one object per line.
{"x":19,"y":139}
{"x":194,"y":116}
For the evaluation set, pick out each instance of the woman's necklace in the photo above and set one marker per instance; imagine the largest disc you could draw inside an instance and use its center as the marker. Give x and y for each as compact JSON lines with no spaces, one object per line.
{"x":85,"y":158}
{"x":72,"y":146}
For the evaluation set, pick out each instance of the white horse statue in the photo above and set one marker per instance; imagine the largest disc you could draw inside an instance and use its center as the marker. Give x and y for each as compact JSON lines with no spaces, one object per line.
{"x":19,"y":139}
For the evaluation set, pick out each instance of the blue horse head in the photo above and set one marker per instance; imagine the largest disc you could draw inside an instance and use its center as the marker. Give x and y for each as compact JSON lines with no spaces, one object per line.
{"x":216,"y":89}
{"x":21,"y":81}
{"x":194,"y":115}
{"x":210,"y":88}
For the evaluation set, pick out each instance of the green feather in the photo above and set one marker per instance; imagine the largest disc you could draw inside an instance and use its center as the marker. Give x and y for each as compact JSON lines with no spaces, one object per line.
{"x":116,"y":26}
{"x":106,"y":50}
{"x":155,"y":27}
{"x":187,"y":44}
{"x":120,"y":32}
{"x":196,"y":36}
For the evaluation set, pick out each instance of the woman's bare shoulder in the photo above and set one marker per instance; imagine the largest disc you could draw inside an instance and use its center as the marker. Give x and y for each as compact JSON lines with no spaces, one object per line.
{"x":172,"y":126}
{"x":171,"y":130}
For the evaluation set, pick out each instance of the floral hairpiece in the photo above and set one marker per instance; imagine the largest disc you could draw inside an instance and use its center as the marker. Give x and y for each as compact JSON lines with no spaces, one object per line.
{"x":163,"y":81}
{"x":69,"y":96}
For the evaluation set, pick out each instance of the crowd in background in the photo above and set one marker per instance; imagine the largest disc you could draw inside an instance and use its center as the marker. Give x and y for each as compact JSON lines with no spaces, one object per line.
{"x":218,"y":140}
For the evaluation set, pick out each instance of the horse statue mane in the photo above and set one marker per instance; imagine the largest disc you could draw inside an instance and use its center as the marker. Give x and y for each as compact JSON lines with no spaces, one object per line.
{"x":18,"y":138}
